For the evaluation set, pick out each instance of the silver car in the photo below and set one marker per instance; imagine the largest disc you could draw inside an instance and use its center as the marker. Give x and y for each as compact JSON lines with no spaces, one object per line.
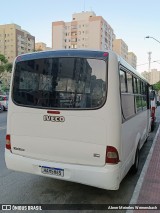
{"x":1,"y":108}
{"x":4,"y":102}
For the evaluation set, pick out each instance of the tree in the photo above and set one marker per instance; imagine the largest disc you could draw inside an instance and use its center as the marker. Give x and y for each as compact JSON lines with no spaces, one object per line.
{"x":5,"y":68}
{"x":3,"y":59}
{"x":4,"y":65}
{"x":156,"y":86}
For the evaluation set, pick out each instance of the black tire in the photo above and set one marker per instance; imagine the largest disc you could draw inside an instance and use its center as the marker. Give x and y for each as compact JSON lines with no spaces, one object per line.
{"x":134,"y":168}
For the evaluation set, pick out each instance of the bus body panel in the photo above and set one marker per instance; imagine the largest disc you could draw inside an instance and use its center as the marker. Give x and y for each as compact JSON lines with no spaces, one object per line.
{"x":132,"y":138}
{"x":71,"y":141}
{"x":106,"y":177}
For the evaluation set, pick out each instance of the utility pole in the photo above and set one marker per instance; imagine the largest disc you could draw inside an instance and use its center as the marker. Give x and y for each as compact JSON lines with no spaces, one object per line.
{"x":149,"y":61}
{"x":149,"y":66}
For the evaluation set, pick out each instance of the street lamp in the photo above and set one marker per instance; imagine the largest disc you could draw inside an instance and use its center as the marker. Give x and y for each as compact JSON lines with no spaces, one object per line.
{"x":152,"y":38}
{"x":156,"y":62}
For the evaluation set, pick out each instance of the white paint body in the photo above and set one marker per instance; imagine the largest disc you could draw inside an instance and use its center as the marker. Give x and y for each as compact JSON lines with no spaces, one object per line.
{"x":71,"y":145}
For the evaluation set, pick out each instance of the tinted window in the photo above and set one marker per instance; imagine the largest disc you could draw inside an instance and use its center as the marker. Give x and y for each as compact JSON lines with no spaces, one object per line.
{"x":139,"y":86}
{"x":60,"y":83}
{"x":123,"y":81}
{"x":129,"y":83}
{"x":135,"y":85}
{"x":138,"y":103}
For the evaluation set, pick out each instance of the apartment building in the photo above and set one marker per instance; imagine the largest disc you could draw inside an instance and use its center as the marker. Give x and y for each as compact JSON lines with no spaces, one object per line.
{"x":86,"y":30}
{"x":146,"y":75}
{"x":15,"y":41}
{"x":121,"y":48}
{"x":153,"y":76}
{"x":40,"y":46}
{"x":132,"y":59}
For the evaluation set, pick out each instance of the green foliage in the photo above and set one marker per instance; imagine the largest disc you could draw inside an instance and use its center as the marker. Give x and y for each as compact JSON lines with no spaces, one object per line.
{"x":156,"y":86}
{"x":8,"y":67}
{"x":4,"y":65}
{"x":3,"y":59}
{"x":1,"y":69}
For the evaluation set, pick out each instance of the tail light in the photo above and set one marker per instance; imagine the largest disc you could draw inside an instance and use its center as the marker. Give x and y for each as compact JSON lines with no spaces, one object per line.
{"x":8,"y":142}
{"x":112,"y":155}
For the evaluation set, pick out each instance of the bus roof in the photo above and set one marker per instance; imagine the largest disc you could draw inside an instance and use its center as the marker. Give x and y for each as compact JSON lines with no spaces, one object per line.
{"x":77,"y":53}
{"x":129,"y":67}
{"x":62,"y":53}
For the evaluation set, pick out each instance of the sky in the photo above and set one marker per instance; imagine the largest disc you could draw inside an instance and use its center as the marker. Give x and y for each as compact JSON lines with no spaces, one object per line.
{"x":131,"y":20}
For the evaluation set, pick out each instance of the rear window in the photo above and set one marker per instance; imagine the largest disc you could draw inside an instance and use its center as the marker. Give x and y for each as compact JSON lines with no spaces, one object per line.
{"x":60,"y":83}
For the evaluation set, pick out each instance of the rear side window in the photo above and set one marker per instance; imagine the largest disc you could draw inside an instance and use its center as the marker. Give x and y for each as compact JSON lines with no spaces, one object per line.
{"x":60,"y":83}
{"x":123,"y":81}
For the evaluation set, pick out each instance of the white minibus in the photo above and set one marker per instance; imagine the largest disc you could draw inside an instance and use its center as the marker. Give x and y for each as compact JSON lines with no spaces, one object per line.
{"x":76,"y":115}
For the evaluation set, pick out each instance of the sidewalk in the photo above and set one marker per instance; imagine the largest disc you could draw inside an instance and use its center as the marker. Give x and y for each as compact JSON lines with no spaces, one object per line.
{"x":147,"y":190}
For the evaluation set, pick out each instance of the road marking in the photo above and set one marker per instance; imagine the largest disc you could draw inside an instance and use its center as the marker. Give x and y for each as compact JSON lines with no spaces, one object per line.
{"x":3,"y":127}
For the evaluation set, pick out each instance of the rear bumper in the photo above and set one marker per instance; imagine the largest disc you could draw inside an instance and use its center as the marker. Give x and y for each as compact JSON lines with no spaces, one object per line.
{"x":107,"y":177}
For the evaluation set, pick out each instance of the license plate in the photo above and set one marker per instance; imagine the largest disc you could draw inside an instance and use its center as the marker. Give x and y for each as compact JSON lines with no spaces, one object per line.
{"x":52,"y":171}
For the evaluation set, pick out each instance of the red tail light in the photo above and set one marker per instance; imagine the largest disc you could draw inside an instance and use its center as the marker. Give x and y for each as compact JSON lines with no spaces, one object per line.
{"x":112,"y":155}
{"x":8,"y":142}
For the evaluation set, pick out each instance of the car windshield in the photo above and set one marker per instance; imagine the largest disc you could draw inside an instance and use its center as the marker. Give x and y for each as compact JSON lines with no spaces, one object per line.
{"x":60,"y":83}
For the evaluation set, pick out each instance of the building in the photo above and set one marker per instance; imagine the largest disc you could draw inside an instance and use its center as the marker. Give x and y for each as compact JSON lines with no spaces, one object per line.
{"x":15,"y":41}
{"x":86,"y":30}
{"x":153,"y":76}
{"x":121,"y":48}
{"x":146,"y":75}
{"x":40,"y":46}
{"x":132,"y":59}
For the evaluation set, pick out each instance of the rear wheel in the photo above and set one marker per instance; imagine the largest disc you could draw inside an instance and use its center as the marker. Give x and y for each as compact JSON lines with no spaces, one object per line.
{"x":134,"y":168}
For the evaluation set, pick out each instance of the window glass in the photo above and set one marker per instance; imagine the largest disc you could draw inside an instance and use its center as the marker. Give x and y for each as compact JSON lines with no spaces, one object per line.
{"x":135,"y":85}
{"x":144,"y":89}
{"x":123,"y":81}
{"x":139,"y":86}
{"x":128,"y":105}
{"x":129,"y":83}
{"x":138,"y":103}
{"x":144,"y":102}
{"x":60,"y":83}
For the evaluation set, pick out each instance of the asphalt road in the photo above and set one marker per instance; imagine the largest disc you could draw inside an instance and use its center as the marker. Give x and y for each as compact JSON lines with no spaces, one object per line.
{"x":22,"y":188}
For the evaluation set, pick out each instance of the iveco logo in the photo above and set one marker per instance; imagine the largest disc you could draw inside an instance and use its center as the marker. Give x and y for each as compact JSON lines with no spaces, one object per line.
{"x":53,"y":118}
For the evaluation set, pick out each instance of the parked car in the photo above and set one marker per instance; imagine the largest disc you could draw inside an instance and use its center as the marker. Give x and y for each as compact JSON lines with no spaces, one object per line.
{"x":4,"y":102}
{"x":1,"y":108}
{"x":153,"y":103}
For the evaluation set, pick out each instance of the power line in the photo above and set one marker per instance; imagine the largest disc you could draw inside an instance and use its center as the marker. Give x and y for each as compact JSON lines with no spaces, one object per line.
{"x":147,"y":63}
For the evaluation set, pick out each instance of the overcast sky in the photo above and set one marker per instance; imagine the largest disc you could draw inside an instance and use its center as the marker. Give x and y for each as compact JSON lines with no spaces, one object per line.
{"x":131,"y":20}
